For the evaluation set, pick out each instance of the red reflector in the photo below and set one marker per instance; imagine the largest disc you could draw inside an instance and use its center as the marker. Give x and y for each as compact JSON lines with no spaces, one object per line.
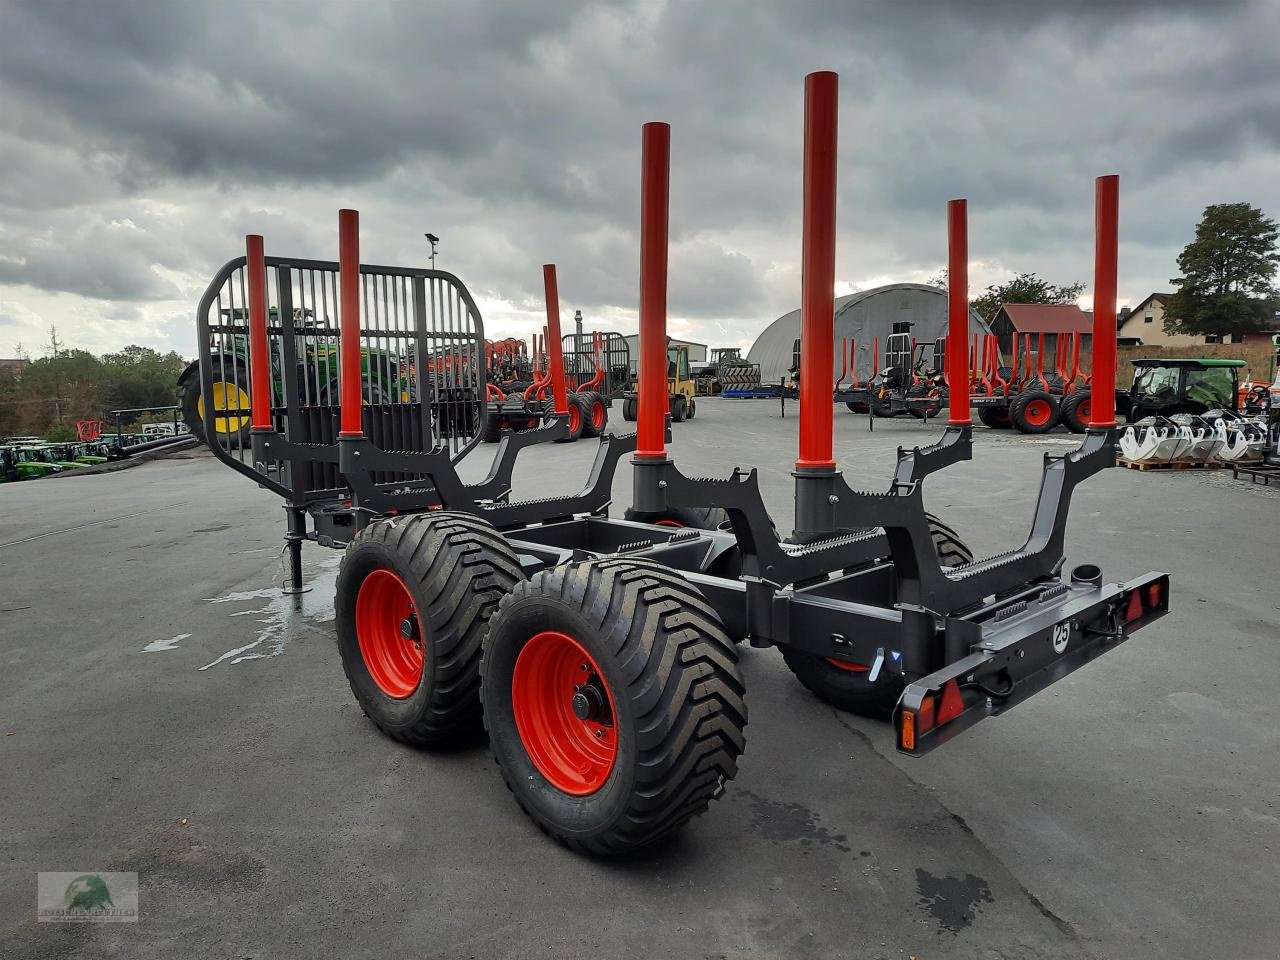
{"x":1153,"y":596}
{"x":952,"y":704}
{"x":1134,"y":609}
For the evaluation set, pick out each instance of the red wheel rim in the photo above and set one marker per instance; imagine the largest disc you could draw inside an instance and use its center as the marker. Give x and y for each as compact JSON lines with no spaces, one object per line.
{"x":564,"y":712}
{"x":1084,"y":410}
{"x":597,"y":414}
{"x":575,"y":418}
{"x":668,"y":523}
{"x":850,"y":667}
{"x":1038,"y":412}
{"x":389,"y":632}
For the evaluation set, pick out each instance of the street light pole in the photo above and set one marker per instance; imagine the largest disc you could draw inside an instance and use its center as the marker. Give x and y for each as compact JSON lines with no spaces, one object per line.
{"x":433,"y":240}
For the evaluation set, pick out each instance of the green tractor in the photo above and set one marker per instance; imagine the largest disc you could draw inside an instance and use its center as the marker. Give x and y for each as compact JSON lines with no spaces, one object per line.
{"x":56,"y":454}
{"x":77,"y":453}
{"x":385,"y":375}
{"x":27,"y":463}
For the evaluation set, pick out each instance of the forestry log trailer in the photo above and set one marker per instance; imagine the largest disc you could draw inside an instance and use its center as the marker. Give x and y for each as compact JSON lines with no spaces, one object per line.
{"x":599,"y":652}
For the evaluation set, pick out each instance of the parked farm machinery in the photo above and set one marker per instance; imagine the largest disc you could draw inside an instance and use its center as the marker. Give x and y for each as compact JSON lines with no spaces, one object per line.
{"x":600,"y":652}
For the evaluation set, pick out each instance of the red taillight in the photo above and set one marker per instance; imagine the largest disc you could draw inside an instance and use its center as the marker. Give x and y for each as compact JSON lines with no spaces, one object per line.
{"x":1133,"y":609}
{"x":952,"y":704}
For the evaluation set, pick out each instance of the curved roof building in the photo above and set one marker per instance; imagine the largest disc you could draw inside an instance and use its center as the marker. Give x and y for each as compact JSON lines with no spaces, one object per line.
{"x":864,"y":316}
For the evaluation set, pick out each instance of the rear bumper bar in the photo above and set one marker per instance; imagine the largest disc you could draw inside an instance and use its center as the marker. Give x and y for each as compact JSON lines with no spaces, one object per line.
{"x":1021,"y":654}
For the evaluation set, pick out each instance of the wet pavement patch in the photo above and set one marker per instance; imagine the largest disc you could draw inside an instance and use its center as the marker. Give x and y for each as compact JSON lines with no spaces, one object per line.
{"x":789,"y":822}
{"x":952,"y":901}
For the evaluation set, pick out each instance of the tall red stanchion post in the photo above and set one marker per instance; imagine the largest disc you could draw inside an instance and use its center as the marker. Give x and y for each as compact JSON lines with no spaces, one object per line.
{"x":351,"y":421}
{"x":818,"y":271}
{"x":815,"y":470}
{"x":259,"y":355}
{"x":958,"y":310}
{"x":654,"y":196}
{"x":1102,"y":398}
{"x":555,"y":353}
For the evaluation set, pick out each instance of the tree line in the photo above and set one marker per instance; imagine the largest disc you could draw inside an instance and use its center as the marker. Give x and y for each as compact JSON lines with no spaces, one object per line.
{"x":46,"y":396}
{"x":1227,"y":284}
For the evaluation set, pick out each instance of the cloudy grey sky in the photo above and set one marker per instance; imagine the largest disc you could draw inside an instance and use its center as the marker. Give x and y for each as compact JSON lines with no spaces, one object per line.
{"x":139,"y":142}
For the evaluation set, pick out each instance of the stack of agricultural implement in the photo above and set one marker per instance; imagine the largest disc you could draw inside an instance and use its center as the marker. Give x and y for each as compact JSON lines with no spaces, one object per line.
{"x":600,"y":652}
{"x":910,"y":380}
{"x":524,"y":407}
{"x":597,"y":360}
{"x":1025,"y":397}
{"x":728,"y":370}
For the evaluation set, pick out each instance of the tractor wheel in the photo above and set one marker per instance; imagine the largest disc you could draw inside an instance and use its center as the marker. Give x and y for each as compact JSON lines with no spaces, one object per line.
{"x":994,"y":418}
{"x":699,"y":518}
{"x":629,"y":409}
{"x":881,"y":408}
{"x":845,"y":685}
{"x":932,"y":409}
{"x":1076,"y":410}
{"x":597,"y":414}
{"x":577,"y":415}
{"x":613,"y":702}
{"x":857,"y":407}
{"x":413,"y":601}
{"x":1034,"y":411}
{"x":230,"y":401}
{"x":679,"y":410}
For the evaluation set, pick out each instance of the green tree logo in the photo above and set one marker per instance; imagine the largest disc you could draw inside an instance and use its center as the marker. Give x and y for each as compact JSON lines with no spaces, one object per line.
{"x":87,"y":892}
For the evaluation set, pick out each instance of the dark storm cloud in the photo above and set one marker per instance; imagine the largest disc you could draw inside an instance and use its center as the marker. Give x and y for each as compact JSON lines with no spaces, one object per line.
{"x":512,"y":129}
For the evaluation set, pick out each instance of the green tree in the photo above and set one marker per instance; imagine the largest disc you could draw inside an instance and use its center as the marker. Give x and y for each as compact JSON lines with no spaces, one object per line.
{"x":1227,"y":273}
{"x":1023,"y":288}
{"x":141,"y":377}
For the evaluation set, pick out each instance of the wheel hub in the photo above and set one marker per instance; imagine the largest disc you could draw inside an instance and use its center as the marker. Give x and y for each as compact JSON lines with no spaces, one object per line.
{"x":588,"y":702}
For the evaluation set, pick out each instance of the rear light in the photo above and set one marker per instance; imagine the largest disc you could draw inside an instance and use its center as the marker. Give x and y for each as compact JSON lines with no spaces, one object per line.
{"x":907,"y":736}
{"x":952,"y":704}
{"x":1145,"y":599}
{"x":935,"y":710}
{"x":1133,"y":609}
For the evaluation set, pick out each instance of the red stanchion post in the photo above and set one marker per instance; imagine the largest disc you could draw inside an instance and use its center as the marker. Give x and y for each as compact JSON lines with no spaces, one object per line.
{"x":1102,"y":400}
{"x":655,"y":185}
{"x":351,"y":421}
{"x":259,"y":354}
{"x":818,"y":270}
{"x":555,"y":349}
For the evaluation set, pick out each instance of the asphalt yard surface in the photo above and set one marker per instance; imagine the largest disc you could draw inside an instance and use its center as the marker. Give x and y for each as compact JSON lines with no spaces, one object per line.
{"x":165,"y":710}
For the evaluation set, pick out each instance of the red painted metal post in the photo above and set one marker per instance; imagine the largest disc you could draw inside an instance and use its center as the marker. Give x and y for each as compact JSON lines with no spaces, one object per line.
{"x":555,"y":348}
{"x":349,"y":320}
{"x":1102,"y":403}
{"x":875,"y":356}
{"x":259,"y":354}
{"x":854,"y":382}
{"x":958,"y":308}
{"x":818,"y":271}
{"x":655,"y":186}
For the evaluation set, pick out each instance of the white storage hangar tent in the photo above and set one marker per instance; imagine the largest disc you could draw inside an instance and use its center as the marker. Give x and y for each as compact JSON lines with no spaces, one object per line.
{"x":864,"y":316}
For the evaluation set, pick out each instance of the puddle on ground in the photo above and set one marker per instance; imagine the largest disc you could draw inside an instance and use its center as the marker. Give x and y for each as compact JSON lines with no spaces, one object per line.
{"x":280,"y":615}
{"x":155,"y":646}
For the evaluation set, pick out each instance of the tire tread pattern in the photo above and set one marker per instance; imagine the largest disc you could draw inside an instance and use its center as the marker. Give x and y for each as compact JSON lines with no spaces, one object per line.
{"x":682,"y":678}
{"x":461,"y":566}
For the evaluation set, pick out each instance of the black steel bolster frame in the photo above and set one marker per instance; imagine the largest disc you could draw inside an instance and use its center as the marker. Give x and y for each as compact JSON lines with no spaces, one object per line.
{"x":1017,"y":656}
